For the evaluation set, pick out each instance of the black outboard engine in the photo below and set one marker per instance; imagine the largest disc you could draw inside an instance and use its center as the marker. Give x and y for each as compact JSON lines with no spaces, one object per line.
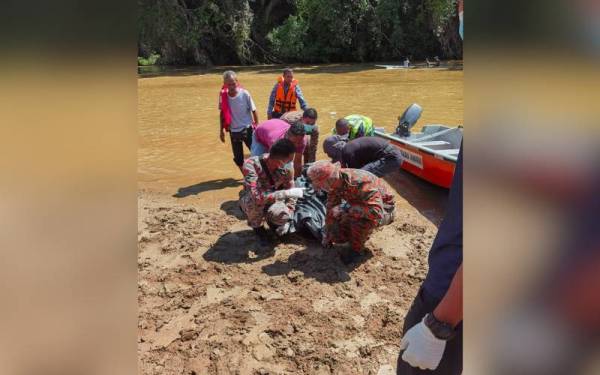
{"x":408,"y":119}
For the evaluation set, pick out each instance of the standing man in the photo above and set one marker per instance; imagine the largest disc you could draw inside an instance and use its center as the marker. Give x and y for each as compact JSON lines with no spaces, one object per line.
{"x":270,"y":131}
{"x":357,"y":203}
{"x":308,"y":118}
{"x":371,"y":154}
{"x":268,"y":188}
{"x":432,"y":342}
{"x":238,"y":114}
{"x":284,"y":95}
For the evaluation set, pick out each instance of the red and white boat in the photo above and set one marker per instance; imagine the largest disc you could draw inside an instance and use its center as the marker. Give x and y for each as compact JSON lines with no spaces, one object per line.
{"x":430,"y":154}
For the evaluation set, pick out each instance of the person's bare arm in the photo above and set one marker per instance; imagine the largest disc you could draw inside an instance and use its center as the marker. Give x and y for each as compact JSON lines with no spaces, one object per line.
{"x":449,"y":309}
{"x":255,"y":116}
{"x":297,"y":164}
{"x":222,"y":128}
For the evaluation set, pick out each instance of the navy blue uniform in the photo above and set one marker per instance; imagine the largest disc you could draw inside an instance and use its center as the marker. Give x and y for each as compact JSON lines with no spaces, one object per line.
{"x":445,"y":257}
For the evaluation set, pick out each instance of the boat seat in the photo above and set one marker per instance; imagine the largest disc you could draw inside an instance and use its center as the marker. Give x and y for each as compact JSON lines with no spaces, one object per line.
{"x":445,"y":132}
{"x":432,"y":143}
{"x":453,"y":151}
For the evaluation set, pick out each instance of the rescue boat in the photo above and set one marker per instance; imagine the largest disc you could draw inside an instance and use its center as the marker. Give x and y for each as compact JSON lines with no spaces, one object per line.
{"x":430,"y":154}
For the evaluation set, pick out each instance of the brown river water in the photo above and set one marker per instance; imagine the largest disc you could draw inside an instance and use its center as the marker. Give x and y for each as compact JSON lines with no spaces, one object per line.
{"x":180,"y":154}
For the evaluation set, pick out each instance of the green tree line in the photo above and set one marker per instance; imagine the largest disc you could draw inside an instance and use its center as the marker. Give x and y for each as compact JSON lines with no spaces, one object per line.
{"x":220,"y":32}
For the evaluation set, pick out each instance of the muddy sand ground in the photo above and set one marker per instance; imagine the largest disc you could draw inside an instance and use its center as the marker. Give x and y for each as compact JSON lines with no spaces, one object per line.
{"x":211,"y":301}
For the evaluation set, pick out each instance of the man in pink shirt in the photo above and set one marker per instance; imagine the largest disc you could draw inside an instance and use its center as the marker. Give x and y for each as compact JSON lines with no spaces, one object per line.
{"x":270,"y":131}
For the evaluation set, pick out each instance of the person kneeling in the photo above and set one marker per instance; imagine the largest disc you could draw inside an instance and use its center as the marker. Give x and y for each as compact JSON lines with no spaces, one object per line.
{"x":357,"y":203}
{"x":268,"y":188}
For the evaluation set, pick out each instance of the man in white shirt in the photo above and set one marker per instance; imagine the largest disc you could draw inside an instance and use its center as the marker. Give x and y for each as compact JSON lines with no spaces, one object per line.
{"x":238,"y":114}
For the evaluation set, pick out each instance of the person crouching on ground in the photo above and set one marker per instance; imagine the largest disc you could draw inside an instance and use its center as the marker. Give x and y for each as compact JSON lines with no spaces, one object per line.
{"x":372,"y":154}
{"x":268,"y":132}
{"x":357,"y":203}
{"x":308,"y":118}
{"x":354,"y":126}
{"x":268,"y":188}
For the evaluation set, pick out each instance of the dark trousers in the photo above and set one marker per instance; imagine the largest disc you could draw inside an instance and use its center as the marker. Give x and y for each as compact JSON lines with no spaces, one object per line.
{"x":390,"y":162}
{"x":237,"y":141}
{"x":451,"y":363}
{"x":310,"y":152}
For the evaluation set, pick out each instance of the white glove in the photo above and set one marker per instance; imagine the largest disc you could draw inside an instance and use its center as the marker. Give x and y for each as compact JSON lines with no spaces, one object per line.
{"x":282,"y":229}
{"x":423,"y":349}
{"x":294,"y":193}
{"x":289,"y":193}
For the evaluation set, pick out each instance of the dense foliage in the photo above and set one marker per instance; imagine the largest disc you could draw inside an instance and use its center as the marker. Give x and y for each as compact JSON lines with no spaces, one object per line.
{"x":217,"y":32}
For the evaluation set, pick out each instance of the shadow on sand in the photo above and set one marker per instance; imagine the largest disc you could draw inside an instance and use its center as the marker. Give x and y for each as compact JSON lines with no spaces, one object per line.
{"x":238,"y":247}
{"x":315,"y":262}
{"x":430,"y":200}
{"x":232,"y":208}
{"x":206,"y":186}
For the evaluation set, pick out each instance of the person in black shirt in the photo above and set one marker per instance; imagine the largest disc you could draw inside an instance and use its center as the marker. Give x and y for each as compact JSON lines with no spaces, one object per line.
{"x":371,"y":154}
{"x":432,"y":340}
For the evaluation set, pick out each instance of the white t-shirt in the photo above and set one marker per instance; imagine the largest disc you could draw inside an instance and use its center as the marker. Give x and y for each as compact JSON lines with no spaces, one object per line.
{"x":241,"y":107}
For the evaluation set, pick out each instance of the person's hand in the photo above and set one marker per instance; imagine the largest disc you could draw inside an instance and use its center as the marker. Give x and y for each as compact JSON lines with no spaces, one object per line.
{"x":222,"y":136}
{"x":421,"y":348}
{"x":336,"y":211}
{"x":279,"y":195}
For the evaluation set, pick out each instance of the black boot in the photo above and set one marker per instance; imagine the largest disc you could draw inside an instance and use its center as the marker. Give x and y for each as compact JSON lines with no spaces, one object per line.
{"x":263,"y":236}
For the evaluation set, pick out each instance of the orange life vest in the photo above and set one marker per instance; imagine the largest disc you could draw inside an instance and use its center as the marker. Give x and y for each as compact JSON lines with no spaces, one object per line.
{"x":285,"y":103}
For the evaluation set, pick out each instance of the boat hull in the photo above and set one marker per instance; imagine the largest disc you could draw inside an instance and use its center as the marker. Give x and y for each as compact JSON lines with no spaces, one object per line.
{"x":423,"y":163}
{"x":427,"y":166}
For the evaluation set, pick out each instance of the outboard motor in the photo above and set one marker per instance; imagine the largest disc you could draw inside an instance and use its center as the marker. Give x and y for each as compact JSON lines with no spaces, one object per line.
{"x":408,"y":119}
